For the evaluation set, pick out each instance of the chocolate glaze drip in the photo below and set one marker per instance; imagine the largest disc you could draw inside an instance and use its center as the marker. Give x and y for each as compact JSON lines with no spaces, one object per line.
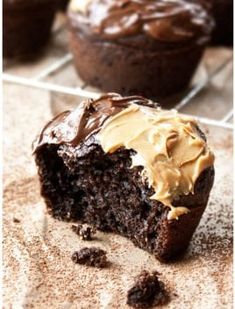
{"x":163,"y":20}
{"x":75,"y":126}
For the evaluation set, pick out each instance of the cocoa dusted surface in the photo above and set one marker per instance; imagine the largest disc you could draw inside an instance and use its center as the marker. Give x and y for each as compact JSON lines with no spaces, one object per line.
{"x":37,"y":250}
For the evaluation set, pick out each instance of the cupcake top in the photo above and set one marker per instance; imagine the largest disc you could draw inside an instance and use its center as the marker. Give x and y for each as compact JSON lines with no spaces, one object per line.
{"x":169,"y":147}
{"x":169,"y":21}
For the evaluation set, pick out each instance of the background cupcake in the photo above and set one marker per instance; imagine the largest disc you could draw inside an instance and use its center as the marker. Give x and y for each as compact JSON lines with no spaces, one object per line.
{"x":26,"y":26}
{"x":62,"y":5}
{"x":146,"y":47}
{"x":222,"y":11}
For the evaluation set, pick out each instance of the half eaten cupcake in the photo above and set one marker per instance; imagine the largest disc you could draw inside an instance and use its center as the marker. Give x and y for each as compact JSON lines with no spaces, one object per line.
{"x":126,"y":166}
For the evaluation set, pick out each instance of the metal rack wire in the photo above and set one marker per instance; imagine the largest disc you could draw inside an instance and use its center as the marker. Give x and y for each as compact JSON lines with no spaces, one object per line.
{"x":39,"y":81}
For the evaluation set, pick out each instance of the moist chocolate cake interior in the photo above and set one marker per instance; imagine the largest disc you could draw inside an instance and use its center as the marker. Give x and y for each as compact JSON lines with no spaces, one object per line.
{"x":103,"y":191}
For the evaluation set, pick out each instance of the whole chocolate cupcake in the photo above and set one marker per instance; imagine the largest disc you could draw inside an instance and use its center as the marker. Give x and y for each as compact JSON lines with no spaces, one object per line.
{"x":144,"y":47}
{"x":124,"y":165}
{"x":26,"y":26}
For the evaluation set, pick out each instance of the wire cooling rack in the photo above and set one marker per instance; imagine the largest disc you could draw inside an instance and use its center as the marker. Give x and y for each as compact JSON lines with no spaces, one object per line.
{"x":55,"y":73}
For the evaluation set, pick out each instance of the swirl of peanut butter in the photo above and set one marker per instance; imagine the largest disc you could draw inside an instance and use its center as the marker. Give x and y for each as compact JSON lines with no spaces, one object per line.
{"x":162,"y":20}
{"x":167,"y":146}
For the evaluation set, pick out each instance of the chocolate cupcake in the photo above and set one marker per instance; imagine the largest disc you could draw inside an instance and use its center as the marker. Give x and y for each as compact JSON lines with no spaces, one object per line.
{"x":145,"y":47}
{"x":126,"y":166}
{"x":62,"y":5}
{"x":222,"y":11}
{"x":26,"y":26}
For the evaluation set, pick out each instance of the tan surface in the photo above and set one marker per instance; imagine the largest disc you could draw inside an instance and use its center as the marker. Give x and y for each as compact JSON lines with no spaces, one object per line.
{"x":38,"y":271}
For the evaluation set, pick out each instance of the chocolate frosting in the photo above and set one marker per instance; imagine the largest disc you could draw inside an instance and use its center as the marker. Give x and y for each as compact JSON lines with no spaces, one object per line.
{"x":74,"y":127}
{"x":162,"y":20}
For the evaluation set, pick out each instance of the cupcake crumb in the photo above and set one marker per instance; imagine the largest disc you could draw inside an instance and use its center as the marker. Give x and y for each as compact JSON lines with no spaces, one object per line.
{"x":85,"y":231}
{"x":93,"y":256}
{"x":147,"y":291}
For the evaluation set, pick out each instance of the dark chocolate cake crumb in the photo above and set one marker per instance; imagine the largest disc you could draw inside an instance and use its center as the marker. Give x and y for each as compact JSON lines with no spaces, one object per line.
{"x":85,"y":231}
{"x":93,"y":256}
{"x":15,"y":220}
{"x":147,"y":291}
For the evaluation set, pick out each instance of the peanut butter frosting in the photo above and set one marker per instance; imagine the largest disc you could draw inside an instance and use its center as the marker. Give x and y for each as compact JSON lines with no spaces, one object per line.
{"x":167,"y":146}
{"x":162,"y":20}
